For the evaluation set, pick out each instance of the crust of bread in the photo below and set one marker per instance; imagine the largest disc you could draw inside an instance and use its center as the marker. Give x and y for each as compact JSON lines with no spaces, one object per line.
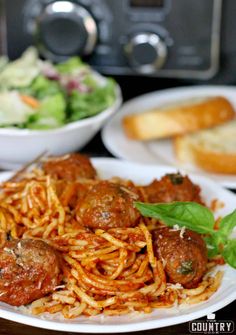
{"x":195,"y":149}
{"x":179,"y":119}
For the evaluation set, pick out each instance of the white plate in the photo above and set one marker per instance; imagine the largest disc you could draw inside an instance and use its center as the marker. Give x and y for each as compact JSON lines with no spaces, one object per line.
{"x":160,"y":151}
{"x":160,"y":317}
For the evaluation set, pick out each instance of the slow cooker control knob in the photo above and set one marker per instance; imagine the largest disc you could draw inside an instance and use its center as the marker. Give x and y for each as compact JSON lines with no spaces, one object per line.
{"x":146,"y":52}
{"x":65,"y":28}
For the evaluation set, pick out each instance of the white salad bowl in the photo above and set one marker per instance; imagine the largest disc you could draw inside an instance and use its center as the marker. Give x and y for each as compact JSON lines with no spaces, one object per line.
{"x":19,"y":146}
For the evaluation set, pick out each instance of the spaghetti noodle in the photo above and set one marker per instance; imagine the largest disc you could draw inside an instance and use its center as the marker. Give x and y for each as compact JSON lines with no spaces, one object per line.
{"x":113,"y":271}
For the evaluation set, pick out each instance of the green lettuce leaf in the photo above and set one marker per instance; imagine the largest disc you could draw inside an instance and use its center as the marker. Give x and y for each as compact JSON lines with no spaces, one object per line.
{"x":83,"y":105}
{"x":3,"y":62}
{"x":13,"y":111}
{"x":72,"y":65}
{"x":21,"y":72}
{"x":50,"y":114}
{"x":42,"y":87}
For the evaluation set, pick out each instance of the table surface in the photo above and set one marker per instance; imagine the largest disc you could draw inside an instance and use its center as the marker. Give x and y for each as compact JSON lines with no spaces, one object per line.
{"x":96,"y":149}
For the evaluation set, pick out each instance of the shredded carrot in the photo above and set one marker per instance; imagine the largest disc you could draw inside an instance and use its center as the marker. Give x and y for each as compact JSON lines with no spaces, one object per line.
{"x":32,"y":102}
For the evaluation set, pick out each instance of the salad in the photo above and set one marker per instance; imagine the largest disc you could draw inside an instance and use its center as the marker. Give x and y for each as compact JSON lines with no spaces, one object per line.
{"x":37,"y":94}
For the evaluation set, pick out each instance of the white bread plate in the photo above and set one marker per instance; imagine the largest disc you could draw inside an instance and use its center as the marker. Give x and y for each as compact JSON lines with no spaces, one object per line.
{"x":161,"y":152}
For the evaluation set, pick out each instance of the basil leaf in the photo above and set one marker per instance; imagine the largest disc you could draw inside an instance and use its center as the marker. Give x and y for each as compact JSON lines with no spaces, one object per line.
{"x":212,"y":246}
{"x":200,"y":219}
{"x":185,"y":214}
{"x":229,"y":253}
{"x":227,"y":224}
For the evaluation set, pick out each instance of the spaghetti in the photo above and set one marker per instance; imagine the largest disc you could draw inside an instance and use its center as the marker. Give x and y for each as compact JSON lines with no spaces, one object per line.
{"x":113,"y":271}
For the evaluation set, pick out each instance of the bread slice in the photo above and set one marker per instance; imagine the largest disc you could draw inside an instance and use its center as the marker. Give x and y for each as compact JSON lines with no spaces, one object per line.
{"x":182,"y":118}
{"x":213,"y":150}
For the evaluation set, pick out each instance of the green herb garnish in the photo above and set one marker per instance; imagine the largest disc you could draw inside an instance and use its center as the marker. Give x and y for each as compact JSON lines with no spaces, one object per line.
{"x":185,"y":268}
{"x":175,"y":178}
{"x":199,"y":219}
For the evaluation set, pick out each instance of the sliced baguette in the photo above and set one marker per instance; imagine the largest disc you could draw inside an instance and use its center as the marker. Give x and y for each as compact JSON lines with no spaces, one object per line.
{"x":186,"y":117}
{"x":213,"y":150}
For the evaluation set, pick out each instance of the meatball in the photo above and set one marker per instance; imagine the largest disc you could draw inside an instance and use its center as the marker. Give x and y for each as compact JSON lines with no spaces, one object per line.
{"x":29,"y":269}
{"x":70,"y":192}
{"x":70,"y":167}
{"x":183,"y":253}
{"x":107,"y":205}
{"x":172,"y":187}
